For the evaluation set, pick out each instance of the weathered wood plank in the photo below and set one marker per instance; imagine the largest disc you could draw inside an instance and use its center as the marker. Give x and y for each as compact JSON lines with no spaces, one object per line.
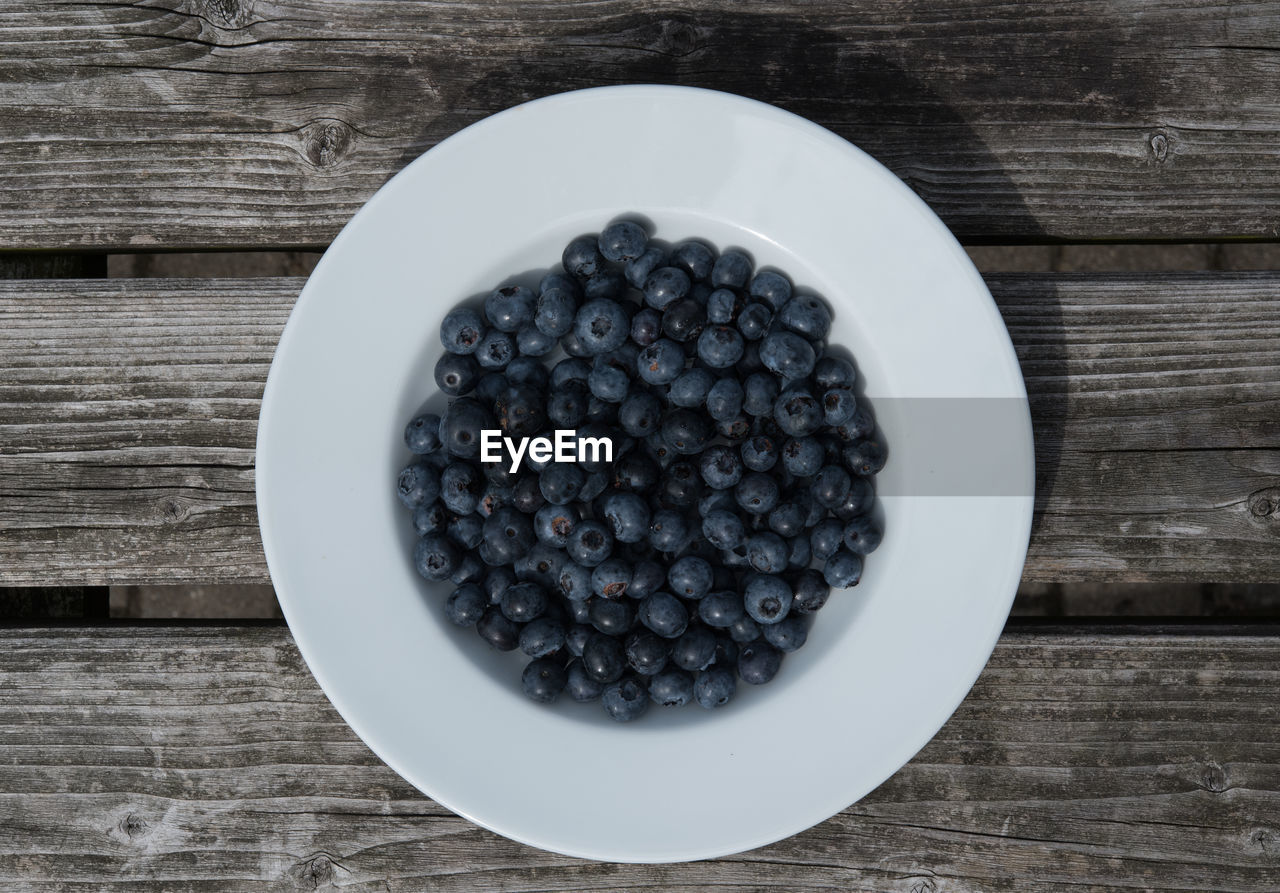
{"x":1015,"y":121}
{"x":128,"y":413}
{"x":155,"y":759}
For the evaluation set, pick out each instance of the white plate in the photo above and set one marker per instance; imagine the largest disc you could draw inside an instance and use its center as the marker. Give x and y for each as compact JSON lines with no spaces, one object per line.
{"x":886,"y":663}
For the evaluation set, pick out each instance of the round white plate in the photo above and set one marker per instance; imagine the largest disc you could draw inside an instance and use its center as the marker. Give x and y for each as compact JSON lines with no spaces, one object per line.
{"x":887,"y":662}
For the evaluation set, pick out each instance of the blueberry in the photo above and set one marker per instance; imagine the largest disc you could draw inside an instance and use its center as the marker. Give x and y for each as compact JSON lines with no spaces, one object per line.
{"x":724,"y":530}
{"x":809,"y":592}
{"x":721,"y":466}
{"x":519,"y":410}
{"x":695,"y":649}
{"x":860,"y":425}
{"x":509,"y":308}
{"x":466,"y":604}
{"x":622,"y":241}
{"x":797,"y":412}
{"x":582,"y":258}
{"x":610,"y":578}
{"x":757,"y":493}
{"x":460,"y":488}
{"x":497,"y":581}
{"x":725,"y":399}
{"x":417,"y":485}
{"x":831,"y":486}
{"x":714,"y":687}
{"x":575,"y":582}
{"x":842,"y":570}
{"x":595,"y":484}
{"x":567,"y":405}
{"x":456,"y":374}
{"x":664,"y":614}
{"x":626,"y":699}
{"x":601,"y":326}
{"x":490,"y":385}
{"x":694,"y":257}
{"x":767,"y":598}
{"x":665,"y":286}
{"x":862,"y":536}
{"x":466,"y":531}
{"x":721,"y":609}
{"x":684,"y":320}
{"x":610,"y":616}
{"x":723,"y":306}
{"x":430,"y":518}
{"x":671,"y":688}
{"x":767,"y":553}
{"x":607,"y":284}
{"x":825,"y":539}
{"x":497,"y":630}
{"x":758,"y":662}
{"x":647,"y":577}
{"x":731,"y":270}
{"x":561,"y":482}
{"x":638,"y":270}
{"x":744,"y":630}
{"x":771,"y":288}
{"x":753,"y":321}
{"x":542,"y":637}
{"x":807,"y":316}
{"x":627,"y":516}
{"x":720,"y":346}
{"x":579,"y":685}
{"x":717,"y":500}
{"x":495,"y":350}
{"x":838,"y":406}
{"x":523,"y":602}
{"x":866,"y":457}
{"x":799,"y":552}
{"x":834,"y":372}
{"x":509,"y":531}
{"x":646,"y":652}
{"x":554,"y":311}
{"x":422,"y":434}
{"x":690,"y":577}
{"x":640,"y":414}
{"x":680,"y":486}
{"x":646,"y":326}
{"x":494,"y":497}
{"x":691,"y":387}
{"x":787,"y":520}
{"x":759,"y":453}
{"x":760,"y":390}
{"x":686,"y":431}
{"x":461,"y":427}
{"x":590,"y":543}
{"x":461,"y":330}
{"x":541,"y":564}
{"x":571,"y":343}
{"x":787,"y":355}
{"x":661,"y":362}
{"x":543,"y":680}
{"x":802,"y":456}
{"x":530,"y":342}
{"x":726,"y":650}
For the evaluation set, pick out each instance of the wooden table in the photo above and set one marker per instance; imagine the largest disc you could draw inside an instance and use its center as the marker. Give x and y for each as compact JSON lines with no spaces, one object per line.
{"x":203,"y":757}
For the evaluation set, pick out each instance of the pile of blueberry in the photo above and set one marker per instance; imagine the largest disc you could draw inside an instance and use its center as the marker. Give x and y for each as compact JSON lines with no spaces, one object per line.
{"x":739,"y":491}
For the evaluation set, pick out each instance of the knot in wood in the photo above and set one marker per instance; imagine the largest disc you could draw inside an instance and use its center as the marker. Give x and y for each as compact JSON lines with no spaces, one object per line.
{"x":327,"y":141}
{"x":1266,"y":841}
{"x":1265,"y":503}
{"x":1214,"y":778}
{"x":316,"y":870}
{"x":1160,"y":147}
{"x":171,"y":510}
{"x":133,"y":825}
{"x":227,"y":13}
{"x":676,"y":38}
{"x":924,"y":885}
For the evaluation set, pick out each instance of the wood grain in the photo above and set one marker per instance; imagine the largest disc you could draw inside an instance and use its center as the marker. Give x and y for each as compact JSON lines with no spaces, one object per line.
{"x":154,"y":759}
{"x":234,"y":123}
{"x":128,"y":415}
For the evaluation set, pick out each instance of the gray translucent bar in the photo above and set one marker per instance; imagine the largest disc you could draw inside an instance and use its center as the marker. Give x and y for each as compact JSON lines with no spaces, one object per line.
{"x":954,"y":446}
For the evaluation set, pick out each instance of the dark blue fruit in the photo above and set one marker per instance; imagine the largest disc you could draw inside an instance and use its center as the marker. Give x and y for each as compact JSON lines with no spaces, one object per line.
{"x":435,"y":557}
{"x":714,"y":687}
{"x":466,"y":604}
{"x":758,"y":662}
{"x":767,"y":598}
{"x":543,"y":680}
{"x":671,"y":688}
{"x":626,"y":699}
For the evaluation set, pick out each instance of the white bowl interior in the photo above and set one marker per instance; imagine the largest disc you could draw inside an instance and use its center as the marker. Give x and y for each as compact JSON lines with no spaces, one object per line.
{"x":886,"y":662}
